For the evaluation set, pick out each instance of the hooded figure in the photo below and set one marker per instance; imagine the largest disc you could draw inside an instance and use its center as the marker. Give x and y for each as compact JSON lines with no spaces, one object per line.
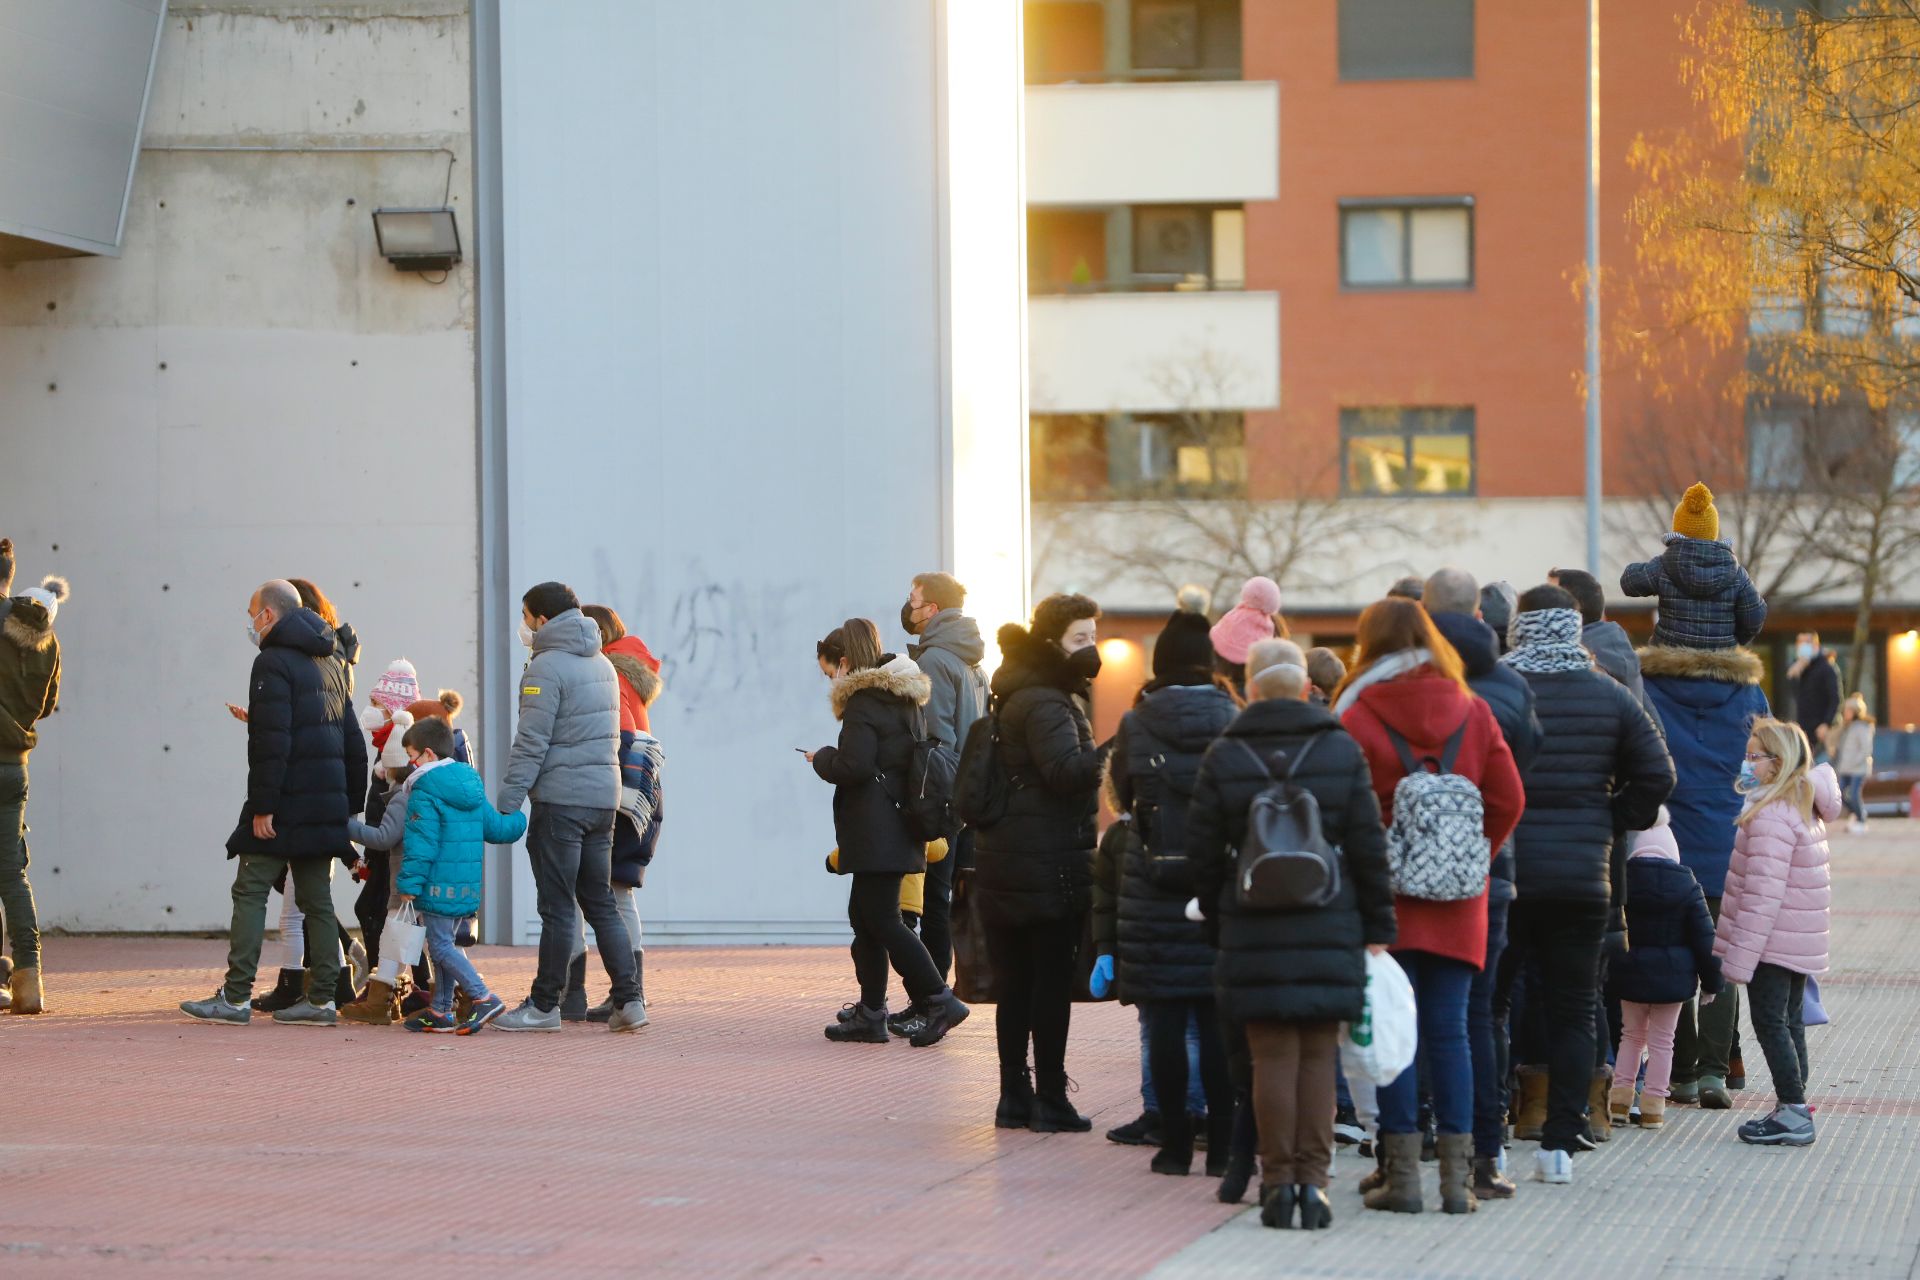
{"x":949,"y":654}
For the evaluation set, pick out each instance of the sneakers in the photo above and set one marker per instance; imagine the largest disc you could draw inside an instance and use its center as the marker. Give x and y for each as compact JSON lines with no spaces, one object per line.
{"x":1553,"y":1167}
{"x":287,"y":991}
{"x":1346,"y":1127}
{"x":1684,"y":1095}
{"x":430,"y":1021}
{"x":529,"y":1017}
{"x":483,"y":1012}
{"x":216,"y":1009}
{"x":944,"y":1013}
{"x":864,"y":1026}
{"x":1790,"y":1125}
{"x":1713,"y":1094}
{"x":306,"y":1014}
{"x":903,"y":1024}
{"x":1141,"y":1132}
{"x":630,"y":1016}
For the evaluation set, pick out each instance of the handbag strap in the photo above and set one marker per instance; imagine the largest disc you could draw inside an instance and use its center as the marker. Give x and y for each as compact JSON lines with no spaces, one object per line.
{"x":1293,"y":764}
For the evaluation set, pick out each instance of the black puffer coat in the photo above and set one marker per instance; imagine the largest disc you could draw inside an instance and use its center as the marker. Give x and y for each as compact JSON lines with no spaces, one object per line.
{"x":878,"y":710}
{"x":1671,"y":935}
{"x":1160,"y":954}
{"x":1509,"y":697}
{"x":1036,"y":863}
{"x":1291,"y":966}
{"x":306,"y":760}
{"x":1603,"y":766}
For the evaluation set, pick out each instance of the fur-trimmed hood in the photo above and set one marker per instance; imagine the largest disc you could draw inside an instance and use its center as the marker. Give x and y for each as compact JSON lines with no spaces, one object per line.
{"x":1028,"y":663}
{"x":644,"y":680}
{"x":899,"y":676}
{"x":27,"y":625}
{"x":1723,"y":666}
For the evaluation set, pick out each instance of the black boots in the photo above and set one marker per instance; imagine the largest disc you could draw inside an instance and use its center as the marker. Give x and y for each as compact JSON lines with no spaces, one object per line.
{"x":1277,"y":1205}
{"x":866,"y":1026}
{"x":343,"y":992}
{"x":944,"y":1013}
{"x":1245,"y":1147}
{"x":1316,"y":1211}
{"x":1052,"y":1113}
{"x":573,"y":1002}
{"x":1175,"y":1157}
{"x":1219,"y":1143}
{"x":1016,"y":1099}
{"x":288,"y":991}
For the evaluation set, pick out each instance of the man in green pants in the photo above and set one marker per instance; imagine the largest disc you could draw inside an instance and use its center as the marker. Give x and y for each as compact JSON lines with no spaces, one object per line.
{"x":29,"y":691}
{"x":306,"y":775}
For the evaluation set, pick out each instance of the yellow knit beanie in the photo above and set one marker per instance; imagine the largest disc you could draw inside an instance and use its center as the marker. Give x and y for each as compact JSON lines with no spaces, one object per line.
{"x":1696,"y":516}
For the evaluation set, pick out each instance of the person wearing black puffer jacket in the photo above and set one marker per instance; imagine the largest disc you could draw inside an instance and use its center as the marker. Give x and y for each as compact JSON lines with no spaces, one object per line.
{"x":1033,"y":868}
{"x":1452,"y":600}
{"x":878,"y":699}
{"x":1291,"y":977}
{"x":1603,"y":766}
{"x":1166,"y":960}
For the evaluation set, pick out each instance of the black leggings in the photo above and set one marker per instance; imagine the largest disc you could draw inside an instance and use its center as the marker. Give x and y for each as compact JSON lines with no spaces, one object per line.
{"x":880,"y":935}
{"x":1775,"y":1002}
{"x":1033,"y":967}
{"x":1167,"y":1022}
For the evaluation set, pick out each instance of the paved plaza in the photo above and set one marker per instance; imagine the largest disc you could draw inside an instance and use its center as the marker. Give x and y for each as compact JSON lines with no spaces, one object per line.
{"x":731,"y":1139}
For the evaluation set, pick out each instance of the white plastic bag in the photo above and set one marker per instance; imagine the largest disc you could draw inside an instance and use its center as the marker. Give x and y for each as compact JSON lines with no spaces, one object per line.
{"x":406,"y":933}
{"x":1381,"y":1044}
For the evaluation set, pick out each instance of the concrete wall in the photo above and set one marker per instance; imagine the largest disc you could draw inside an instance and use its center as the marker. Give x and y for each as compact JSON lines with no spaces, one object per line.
{"x":249,"y":392}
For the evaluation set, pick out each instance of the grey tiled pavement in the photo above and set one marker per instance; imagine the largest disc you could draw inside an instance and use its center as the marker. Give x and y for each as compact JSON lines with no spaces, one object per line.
{"x":1691,"y":1202}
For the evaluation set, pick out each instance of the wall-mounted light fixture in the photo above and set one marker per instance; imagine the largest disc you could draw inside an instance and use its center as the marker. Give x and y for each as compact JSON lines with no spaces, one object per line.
{"x":418,"y":239}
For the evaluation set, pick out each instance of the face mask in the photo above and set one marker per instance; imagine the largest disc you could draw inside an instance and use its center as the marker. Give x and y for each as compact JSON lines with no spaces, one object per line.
{"x":1085,"y":663}
{"x":1747,"y":781}
{"x":906,"y":619}
{"x":526,"y":636}
{"x":253,"y":637}
{"x":1805,"y":651}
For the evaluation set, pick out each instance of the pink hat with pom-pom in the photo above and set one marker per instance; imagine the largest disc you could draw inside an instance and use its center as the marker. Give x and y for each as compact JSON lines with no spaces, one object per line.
{"x":1249,"y":622}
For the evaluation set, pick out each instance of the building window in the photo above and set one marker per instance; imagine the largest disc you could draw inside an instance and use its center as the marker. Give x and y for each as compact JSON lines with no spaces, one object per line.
{"x":1077,"y":457}
{"x":1406,"y":39}
{"x":1186,"y":39}
{"x":1180,"y":247}
{"x":1424,"y":244}
{"x":1408,"y":452}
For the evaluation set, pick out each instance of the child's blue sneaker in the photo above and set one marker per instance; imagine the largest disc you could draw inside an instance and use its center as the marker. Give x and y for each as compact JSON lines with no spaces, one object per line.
{"x":430,"y":1021}
{"x":484,"y":1011}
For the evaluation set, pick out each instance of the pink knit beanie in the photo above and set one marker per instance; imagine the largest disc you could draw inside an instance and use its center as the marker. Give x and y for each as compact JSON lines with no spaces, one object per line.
{"x":1249,"y":622}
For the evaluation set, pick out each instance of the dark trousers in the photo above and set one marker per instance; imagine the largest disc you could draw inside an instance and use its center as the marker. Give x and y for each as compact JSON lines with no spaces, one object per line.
{"x":1775,"y":1001}
{"x":1167,"y":1025}
{"x":1487,"y":1039}
{"x":1033,"y":965}
{"x":370,"y":906}
{"x":936,"y":917}
{"x":1566,"y":938}
{"x":880,"y":936}
{"x":572,"y":853}
{"x":16,"y":894}
{"x":1705,"y":1042}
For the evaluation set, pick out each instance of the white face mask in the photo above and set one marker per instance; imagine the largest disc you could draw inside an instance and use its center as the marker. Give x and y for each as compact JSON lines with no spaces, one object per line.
{"x":526,"y":636}
{"x":253,"y":637}
{"x":1805,"y":651}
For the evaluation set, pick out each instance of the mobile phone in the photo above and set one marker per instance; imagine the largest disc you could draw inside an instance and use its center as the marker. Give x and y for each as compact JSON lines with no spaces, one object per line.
{"x":801,"y":750}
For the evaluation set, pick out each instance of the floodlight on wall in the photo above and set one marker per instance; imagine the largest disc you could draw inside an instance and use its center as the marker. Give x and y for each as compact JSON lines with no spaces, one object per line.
{"x":418,"y":239}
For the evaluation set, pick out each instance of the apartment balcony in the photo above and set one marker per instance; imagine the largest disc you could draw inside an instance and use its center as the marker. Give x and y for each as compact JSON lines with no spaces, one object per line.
{"x":1182,"y":142}
{"x":1153,"y":352}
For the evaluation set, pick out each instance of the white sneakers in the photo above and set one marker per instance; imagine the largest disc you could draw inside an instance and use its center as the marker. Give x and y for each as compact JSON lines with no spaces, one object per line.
{"x":1856,"y":826}
{"x":1553,"y":1167}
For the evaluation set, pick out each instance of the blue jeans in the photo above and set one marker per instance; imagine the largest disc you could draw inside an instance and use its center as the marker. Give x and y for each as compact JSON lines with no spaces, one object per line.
{"x":1850,"y":785}
{"x":1440,"y":988}
{"x":1487,"y":1040}
{"x":572,"y":854}
{"x":450,"y":964}
{"x":1196,"y":1093}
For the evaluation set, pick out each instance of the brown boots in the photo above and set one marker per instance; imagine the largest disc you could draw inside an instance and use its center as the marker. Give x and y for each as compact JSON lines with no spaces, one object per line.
{"x":1620,"y":1104}
{"x":1598,"y":1107}
{"x":1400,"y":1193}
{"x":1489,"y":1183}
{"x":23,"y":988}
{"x":1530,"y":1107}
{"x":1456,"y":1173}
{"x":378,"y":1006}
{"x":1653,"y":1112}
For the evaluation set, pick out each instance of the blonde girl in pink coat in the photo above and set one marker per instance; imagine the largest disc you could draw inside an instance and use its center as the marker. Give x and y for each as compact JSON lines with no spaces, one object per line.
{"x":1774,"y":914}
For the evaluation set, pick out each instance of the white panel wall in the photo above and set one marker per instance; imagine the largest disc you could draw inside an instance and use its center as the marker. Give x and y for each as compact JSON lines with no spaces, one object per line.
{"x":1154,"y":352}
{"x":727,"y":403}
{"x":1095,"y":144}
{"x":250,"y":392}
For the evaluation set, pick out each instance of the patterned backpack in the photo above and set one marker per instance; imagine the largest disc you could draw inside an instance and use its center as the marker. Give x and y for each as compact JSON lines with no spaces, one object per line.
{"x":1437,"y":848}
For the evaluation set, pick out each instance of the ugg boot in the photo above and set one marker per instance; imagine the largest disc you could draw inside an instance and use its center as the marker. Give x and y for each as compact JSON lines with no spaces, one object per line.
{"x":1488,"y":1182}
{"x":1052,"y":1112}
{"x":1620,"y":1103}
{"x":573,"y":1002}
{"x":1401,"y":1192}
{"x":1530,"y":1119}
{"x":1016,"y":1099}
{"x":1375,"y":1178}
{"x":1175,"y":1157}
{"x":288,"y":990}
{"x":1653,"y":1112}
{"x":24,"y":988}
{"x":1598,"y":1091}
{"x":378,"y":1007}
{"x":1456,"y":1173}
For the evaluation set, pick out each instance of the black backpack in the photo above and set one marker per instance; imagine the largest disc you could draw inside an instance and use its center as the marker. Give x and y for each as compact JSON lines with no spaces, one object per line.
{"x":928,"y":802}
{"x":981,"y":785}
{"x":1285,"y":863}
{"x":1163,"y":783}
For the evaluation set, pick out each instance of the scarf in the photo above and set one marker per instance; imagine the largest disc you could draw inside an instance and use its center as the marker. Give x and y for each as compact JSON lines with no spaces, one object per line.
{"x":1390,"y":667}
{"x":1547,"y":640}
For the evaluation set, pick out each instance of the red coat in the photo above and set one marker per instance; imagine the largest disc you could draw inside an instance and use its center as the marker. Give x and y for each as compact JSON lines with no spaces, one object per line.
{"x":633,"y":707}
{"x":1425,"y":708}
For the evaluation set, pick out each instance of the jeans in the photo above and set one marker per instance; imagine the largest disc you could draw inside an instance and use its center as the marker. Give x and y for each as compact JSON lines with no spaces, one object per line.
{"x":1566,"y":937}
{"x":16,"y":895}
{"x":1487,"y":1040}
{"x":1293,"y":1065}
{"x":311,"y":881}
{"x":936,"y":918}
{"x":1703,"y":1043}
{"x":628,"y":903}
{"x":881,"y":937}
{"x":1150,"y":1096}
{"x":1850,"y":787}
{"x":1034,"y":966}
{"x":572,"y":853}
{"x":1646,"y":1027}
{"x":1170,"y":1026}
{"x":1775,"y":999}
{"x":450,"y":963}
{"x":1440,"y":989}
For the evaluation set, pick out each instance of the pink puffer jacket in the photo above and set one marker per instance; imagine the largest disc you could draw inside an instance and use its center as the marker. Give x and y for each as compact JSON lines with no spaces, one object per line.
{"x":1779,"y":892}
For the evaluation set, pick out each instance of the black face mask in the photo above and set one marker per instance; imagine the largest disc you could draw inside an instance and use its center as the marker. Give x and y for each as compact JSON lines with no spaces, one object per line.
{"x":1085,"y":663}
{"x":906,"y":619}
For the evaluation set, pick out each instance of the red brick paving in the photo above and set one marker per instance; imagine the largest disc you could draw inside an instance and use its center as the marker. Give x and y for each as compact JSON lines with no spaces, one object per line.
{"x":728,"y":1139}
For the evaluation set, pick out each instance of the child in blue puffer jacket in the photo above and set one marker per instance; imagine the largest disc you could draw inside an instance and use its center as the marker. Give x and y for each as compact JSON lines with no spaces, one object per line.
{"x":450,"y":823}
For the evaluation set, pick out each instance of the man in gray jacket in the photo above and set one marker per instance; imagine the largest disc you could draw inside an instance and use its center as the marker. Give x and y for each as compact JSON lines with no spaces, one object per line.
{"x":949,"y":653}
{"x":566,"y":756}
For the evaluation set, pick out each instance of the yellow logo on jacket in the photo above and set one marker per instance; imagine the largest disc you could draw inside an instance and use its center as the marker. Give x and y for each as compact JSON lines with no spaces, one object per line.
{"x":530,"y":690}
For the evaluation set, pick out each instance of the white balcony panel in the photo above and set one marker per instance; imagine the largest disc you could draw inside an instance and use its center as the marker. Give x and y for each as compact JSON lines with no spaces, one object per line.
{"x":1154,"y":352}
{"x":1092,"y":144}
